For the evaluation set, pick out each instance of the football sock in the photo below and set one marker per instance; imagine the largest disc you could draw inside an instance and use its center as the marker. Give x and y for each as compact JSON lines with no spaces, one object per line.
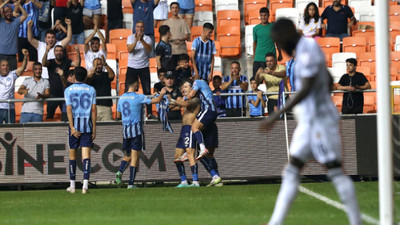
{"x":194,"y":170}
{"x":200,"y":140}
{"x":214,"y":165}
{"x":72,"y":169}
{"x":123,"y":166}
{"x":86,"y":169}
{"x":287,"y":194}
{"x":132,"y":175}
{"x":72,"y":184}
{"x":181,"y":170}
{"x":85,"y":184}
{"x":205,"y":164}
{"x":345,"y":188}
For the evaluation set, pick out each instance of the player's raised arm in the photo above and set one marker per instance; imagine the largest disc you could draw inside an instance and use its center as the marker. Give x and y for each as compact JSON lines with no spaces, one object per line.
{"x":159,"y":97}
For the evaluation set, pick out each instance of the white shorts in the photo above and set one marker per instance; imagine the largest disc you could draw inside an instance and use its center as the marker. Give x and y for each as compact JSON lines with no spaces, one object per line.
{"x":161,"y":11}
{"x":318,"y":139}
{"x":91,"y":12}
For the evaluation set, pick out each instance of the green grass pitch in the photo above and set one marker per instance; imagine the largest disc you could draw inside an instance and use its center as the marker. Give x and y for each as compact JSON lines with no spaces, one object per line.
{"x":231,"y":204}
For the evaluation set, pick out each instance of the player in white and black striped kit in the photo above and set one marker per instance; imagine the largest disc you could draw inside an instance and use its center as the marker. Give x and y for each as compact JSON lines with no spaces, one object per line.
{"x":317,"y":132}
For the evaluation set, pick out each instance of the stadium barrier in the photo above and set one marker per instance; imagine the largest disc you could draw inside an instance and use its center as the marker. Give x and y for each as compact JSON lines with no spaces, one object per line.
{"x":37,"y":152}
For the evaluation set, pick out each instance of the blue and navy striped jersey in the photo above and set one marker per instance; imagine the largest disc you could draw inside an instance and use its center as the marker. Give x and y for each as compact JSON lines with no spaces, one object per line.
{"x":81,"y":97}
{"x":205,"y":95}
{"x":235,"y":102}
{"x":33,"y":14}
{"x":130,"y":105}
{"x":255,"y":110}
{"x":290,"y":73}
{"x":204,"y":52}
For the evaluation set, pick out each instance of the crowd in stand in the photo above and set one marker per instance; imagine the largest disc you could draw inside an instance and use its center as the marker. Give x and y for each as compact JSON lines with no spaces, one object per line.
{"x":27,"y":33}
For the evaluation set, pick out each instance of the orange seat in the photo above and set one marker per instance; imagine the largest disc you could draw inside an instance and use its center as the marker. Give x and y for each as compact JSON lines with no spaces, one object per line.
{"x":371,"y":44}
{"x":277,"y":4}
{"x":338,"y":100}
{"x":189,"y":48}
{"x":369,"y":104}
{"x":217,"y":48}
{"x":203,"y":5}
{"x":394,"y":11}
{"x":123,"y":59}
{"x":229,"y":39}
{"x":228,"y":18}
{"x":366,"y":71}
{"x":153,"y":65}
{"x":357,"y":45}
{"x":395,"y":60}
{"x":368,"y":60}
{"x":72,"y":56}
{"x":111,"y":51}
{"x":121,"y":88}
{"x":120,"y":33}
{"x":252,"y":5}
{"x":363,"y":33}
{"x":127,"y":6}
{"x":253,"y":17}
{"x":122,"y":74}
{"x":28,"y":70}
{"x":195,"y":32}
{"x":329,"y":45}
{"x":326,"y":3}
{"x":120,"y":44}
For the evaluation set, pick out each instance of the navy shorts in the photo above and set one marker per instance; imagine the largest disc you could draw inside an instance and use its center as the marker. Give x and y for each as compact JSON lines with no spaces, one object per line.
{"x":186,"y":138}
{"x":210,"y":135}
{"x":135,"y":143}
{"x":207,"y":117}
{"x":85,"y":140}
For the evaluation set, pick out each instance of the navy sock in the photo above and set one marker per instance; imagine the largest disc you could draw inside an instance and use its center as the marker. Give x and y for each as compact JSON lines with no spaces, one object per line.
{"x":72,"y":169}
{"x":195,"y":173}
{"x":123,"y":166}
{"x":199,"y":137}
{"x":204,"y":161}
{"x":214,"y":165}
{"x":86,"y":169}
{"x":181,"y":170}
{"x":132,"y":175}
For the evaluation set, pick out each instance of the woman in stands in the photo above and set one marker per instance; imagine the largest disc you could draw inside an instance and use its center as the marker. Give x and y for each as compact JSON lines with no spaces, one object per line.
{"x":310,"y":24}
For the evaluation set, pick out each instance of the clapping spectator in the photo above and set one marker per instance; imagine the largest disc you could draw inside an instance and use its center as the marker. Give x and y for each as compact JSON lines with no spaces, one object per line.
{"x":93,"y":51}
{"x":74,"y":13}
{"x":337,"y":16}
{"x":256,"y":102}
{"x":310,"y":24}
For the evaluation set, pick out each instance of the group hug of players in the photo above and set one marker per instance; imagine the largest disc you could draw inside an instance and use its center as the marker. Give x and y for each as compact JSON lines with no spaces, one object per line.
{"x":198,"y":127}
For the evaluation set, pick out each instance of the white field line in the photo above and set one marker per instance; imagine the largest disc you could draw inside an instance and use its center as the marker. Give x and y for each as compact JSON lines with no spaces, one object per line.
{"x":338,"y":205}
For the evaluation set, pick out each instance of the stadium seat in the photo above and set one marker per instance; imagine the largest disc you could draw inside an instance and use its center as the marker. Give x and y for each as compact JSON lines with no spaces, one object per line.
{"x":202,"y":17}
{"x":229,"y":39}
{"x":28,"y":70}
{"x":153,"y":65}
{"x":217,"y":48}
{"x":338,"y":101}
{"x":357,"y":45}
{"x":300,"y":5}
{"x":329,"y":45}
{"x":89,"y":31}
{"x":228,"y":18}
{"x":127,"y":6}
{"x":254,"y":18}
{"x":122,"y":75}
{"x":226,"y":5}
{"x":128,"y":20}
{"x":365,"y":13}
{"x":339,"y":59}
{"x":252,"y":5}
{"x":395,"y":59}
{"x":394,"y":13}
{"x":369,"y":104}
{"x":120,"y":44}
{"x":277,"y":4}
{"x":336,"y":73}
{"x":368,"y":60}
{"x":203,"y":5}
{"x":120,"y":33}
{"x":371,"y":44}
{"x":217,"y":64}
{"x":111,"y":51}
{"x":123,"y":59}
{"x":121,"y":88}
{"x":288,"y":13}
{"x":189,"y":48}
{"x":366,"y":71}
{"x":249,"y":39}
{"x":364,"y":33}
{"x":359,"y":3}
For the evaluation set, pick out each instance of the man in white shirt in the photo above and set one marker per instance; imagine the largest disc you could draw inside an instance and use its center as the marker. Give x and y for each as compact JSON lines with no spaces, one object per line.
{"x":49,"y":40}
{"x":139,"y":48}
{"x":93,"y":51}
{"x":317,"y":132}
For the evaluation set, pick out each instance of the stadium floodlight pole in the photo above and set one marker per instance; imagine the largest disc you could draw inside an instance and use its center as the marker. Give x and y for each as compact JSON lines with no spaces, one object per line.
{"x":384,"y":120}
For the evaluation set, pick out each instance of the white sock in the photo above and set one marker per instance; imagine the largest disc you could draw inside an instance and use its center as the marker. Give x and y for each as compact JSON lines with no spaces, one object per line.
{"x":202,"y":147}
{"x":286,"y":195}
{"x":72,"y":184}
{"x":184,"y":182}
{"x":195,"y":182}
{"x":85,"y":184}
{"x":215,"y":177}
{"x":345,"y":188}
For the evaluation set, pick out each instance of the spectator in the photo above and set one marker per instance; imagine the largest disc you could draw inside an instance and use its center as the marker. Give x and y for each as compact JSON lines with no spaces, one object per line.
{"x":160,"y":85}
{"x":101,"y":81}
{"x":218,"y":99}
{"x":91,"y":13}
{"x":75,"y":14}
{"x":34,"y":88}
{"x":310,"y":24}
{"x":164,"y":50}
{"x":180,"y":32}
{"x":290,"y":73}
{"x":94,"y":50}
{"x":173,"y":92}
{"x":235,"y":83}
{"x":57,"y":67}
{"x":273,"y":74}
{"x":114,"y":15}
{"x":44,"y":19}
{"x":60,"y":30}
{"x":139,"y":48}
{"x":256,"y":102}
{"x":183,"y":70}
{"x":262,"y":41}
{"x":144,"y":12}
{"x":337,"y":15}
{"x":67,"y":81}
{"x":60,"y":11}
{"x":50,"y":41}
{"x":9,"y":33}
{"x":203,"y":51}
{"x":7,"y":87}
{"x":187,"y":11}
{"x":32,"y":8}
{"x":353,"y":101}
{"x":160,"y":13}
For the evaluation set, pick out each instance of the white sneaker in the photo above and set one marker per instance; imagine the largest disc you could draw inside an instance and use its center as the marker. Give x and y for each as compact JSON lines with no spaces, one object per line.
{"x":70,"y":190}
{"x":182,"y":158}
{"x":85,"y":191}
{"x":202,"y":154}
{"x":215,"y":182}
